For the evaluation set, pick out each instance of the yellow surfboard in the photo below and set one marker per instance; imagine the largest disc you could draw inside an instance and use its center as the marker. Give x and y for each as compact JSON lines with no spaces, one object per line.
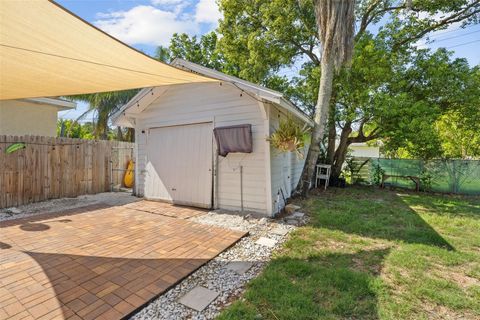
{"x":129,"y":177}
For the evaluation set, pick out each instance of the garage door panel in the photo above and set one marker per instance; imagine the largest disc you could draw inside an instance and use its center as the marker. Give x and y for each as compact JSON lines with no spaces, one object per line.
{"x":179,"y":164}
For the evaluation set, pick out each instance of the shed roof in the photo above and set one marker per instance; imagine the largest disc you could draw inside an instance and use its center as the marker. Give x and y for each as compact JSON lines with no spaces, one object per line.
{"x":263,"y":93}
{"x":46,"y":51}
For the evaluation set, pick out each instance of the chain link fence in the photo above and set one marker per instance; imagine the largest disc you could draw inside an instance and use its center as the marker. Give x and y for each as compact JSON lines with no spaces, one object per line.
{"x":448,"y":176}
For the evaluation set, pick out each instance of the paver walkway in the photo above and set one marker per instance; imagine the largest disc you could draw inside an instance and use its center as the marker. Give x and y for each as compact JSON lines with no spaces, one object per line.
{"x":166,"y":209}
{"x":99,"y":262}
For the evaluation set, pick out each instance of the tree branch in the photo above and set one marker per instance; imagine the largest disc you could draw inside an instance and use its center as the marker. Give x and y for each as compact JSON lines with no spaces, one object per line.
{"x":368,"y":17}
{"x":362,"y":138}
{"x":456,"y":17}
{"x":308,"y":52}
{"x":371,"y":14}
{"x":360,"y":128}
{"x":365,"y":19}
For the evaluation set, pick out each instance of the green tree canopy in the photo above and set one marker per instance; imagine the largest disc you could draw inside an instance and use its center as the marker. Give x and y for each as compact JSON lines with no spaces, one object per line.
{"x":373,"y":98}
{"x":74,"y":129}
{"x":392,"y":91}
{"x":201,"y":50}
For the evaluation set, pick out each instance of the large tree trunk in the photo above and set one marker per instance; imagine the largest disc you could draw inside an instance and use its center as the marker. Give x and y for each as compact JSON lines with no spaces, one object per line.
{"x":345,"y":141}
{"x":130,"y":135}
{"x":321,"y":116}
{"x":332,"y":135}
{"x":104,"y":135}
{"x":336,"y":24}
{"x":341,"y":152}
{"x":103,"y":129}
{"x":119,"y":134}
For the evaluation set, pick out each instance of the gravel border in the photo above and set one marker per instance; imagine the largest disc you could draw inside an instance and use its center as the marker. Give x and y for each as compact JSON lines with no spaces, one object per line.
{"x":213,"y":275}
{"x":57,"y":205}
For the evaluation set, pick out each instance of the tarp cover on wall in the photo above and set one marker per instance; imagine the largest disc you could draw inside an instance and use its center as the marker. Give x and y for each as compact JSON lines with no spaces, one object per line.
{"x":236,"y":138}
{"x":47,"y":51}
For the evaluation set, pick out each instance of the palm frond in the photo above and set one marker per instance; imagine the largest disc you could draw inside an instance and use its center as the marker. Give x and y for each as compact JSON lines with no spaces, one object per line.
{"x":105,"y":104}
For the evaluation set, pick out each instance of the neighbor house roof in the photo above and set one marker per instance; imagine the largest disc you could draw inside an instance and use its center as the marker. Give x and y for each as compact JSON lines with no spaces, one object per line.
{"x":59,"y":103}
{"x":267,"y":95}
{"x":47,"y":51}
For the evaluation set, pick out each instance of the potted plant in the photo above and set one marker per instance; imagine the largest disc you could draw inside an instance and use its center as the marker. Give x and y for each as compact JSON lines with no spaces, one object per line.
{"x":290,"y":137}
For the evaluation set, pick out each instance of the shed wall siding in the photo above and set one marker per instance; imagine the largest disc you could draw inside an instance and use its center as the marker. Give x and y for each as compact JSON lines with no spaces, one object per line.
{"x":223,"y":105}
{"x":286,"y":168}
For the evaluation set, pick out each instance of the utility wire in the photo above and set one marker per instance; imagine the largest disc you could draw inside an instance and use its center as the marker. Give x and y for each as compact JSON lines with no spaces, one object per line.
{"x":455,"y":37}
{"x":463,"y":44}
{"x":440,"y":33}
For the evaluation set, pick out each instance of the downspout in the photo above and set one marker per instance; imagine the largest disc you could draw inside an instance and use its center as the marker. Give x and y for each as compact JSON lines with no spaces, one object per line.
{"x":241,"y":188}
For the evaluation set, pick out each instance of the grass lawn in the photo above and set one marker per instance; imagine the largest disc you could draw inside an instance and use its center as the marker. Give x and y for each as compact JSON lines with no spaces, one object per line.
{"x":373,"y":254}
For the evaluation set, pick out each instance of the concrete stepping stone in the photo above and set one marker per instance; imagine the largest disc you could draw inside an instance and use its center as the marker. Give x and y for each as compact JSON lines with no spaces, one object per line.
{"x":298,"y":215}
{"x":292,"y":222}
{"x":279,"y":231}
{"x":266,"y":242}
{"x":239,"y":267}
{"x":198,"y":298}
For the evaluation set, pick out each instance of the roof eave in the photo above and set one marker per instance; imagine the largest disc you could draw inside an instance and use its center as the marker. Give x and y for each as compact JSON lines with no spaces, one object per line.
{"x":124,"y":121}
{"x":130,"y":103}
{"x":58,"y":103}
{"x":286,"y":104}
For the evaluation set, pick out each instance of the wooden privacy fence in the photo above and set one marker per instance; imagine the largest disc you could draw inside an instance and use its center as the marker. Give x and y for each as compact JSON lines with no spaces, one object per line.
{"x":50,"y":168}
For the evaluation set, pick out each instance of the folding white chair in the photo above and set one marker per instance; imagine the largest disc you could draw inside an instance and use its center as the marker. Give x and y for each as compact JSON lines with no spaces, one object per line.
{"x":323,"y":173}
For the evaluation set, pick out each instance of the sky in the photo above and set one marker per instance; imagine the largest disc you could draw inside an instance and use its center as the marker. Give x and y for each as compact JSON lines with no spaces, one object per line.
{"x":146,"y":24}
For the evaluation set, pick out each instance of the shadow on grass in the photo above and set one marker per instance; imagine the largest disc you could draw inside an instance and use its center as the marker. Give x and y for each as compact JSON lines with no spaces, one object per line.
{"x":446,"y":205}
{"x":328,"y":286}
{"x":375,"y":214}
{"x":328,"y":271}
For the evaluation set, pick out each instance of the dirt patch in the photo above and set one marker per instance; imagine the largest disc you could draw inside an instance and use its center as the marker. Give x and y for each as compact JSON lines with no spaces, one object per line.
{"x":434,"y":312}
{"x":463,"y":280}
{"x":458,"y":275}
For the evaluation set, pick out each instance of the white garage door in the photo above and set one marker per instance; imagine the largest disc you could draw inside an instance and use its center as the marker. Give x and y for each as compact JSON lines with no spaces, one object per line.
{"x":179,"y":164}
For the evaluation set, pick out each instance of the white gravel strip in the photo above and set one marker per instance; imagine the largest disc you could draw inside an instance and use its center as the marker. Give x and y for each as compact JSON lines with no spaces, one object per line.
{"x":56,"y":205}
{"x":213,"y":275}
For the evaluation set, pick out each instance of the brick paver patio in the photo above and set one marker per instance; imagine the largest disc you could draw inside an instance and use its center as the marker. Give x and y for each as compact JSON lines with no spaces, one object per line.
{"x":100,"y":262}
{"x":165,"y":209}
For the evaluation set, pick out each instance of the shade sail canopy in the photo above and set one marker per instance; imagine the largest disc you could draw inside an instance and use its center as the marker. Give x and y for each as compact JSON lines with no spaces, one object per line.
{"x":47,"y":51}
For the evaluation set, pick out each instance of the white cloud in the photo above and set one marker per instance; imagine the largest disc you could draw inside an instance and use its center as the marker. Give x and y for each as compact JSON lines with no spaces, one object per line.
{"x":176,"y":6}
{"x":166,"y":2}
{"x":155,"y":24}
{"x":146,"y":24}
{"x":207,"y":11}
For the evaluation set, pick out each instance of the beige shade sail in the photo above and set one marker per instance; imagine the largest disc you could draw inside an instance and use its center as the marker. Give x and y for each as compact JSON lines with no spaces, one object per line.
{"x":47,"y":51}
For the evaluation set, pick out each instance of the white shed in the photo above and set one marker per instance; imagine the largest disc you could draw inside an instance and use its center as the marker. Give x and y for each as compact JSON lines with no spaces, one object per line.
{"x":176,"y":153}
